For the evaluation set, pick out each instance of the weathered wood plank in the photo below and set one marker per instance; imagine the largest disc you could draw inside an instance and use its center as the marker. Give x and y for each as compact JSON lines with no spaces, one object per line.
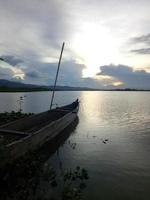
{"x":42,"y":135}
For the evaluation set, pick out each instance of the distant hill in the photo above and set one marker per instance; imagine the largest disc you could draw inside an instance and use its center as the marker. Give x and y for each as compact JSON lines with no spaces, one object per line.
{"x":14,"y":86}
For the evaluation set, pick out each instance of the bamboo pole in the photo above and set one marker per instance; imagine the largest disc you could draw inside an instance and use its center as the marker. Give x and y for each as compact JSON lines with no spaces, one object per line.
{"x":56,"y":75}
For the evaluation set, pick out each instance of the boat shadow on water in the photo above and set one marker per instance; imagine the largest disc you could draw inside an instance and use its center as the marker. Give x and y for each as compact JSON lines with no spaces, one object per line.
{"x":51,"y":147}
{"x":20,"y":179}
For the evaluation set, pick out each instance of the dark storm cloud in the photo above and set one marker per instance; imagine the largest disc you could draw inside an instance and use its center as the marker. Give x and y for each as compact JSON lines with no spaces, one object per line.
{"x":33,"y":26}
{"x":142,"y":39}
{"x":6,"y":73}
{"x":33,"y":74}
{"x":70,"y":73}
{"x":31,"y":31}
{"x":11,"y":60}
{"x":141,"y":51}
{"x":126,"y":74}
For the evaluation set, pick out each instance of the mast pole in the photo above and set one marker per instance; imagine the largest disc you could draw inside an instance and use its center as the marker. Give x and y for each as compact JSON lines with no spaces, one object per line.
{"x":56,"y":75}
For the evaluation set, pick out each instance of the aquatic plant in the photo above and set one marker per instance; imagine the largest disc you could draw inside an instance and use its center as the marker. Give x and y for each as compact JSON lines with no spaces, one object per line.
{"x":74,"y":183}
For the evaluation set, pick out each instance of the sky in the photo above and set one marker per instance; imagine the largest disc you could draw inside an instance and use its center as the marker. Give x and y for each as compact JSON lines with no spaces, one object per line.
{"x":107,"y":43}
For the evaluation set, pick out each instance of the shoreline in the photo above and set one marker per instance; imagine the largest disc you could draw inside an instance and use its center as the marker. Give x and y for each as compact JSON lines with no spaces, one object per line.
{"x":94,"y":90}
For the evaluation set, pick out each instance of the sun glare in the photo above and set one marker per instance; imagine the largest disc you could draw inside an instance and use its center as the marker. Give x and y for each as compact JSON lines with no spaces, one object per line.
{"x":18,"y":73}
{"x":49,"y":60}
{"x":117,"y":83}
{"x":96,"y":46}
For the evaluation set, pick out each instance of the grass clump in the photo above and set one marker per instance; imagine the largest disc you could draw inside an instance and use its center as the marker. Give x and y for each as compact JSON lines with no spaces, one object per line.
{"x":7,"y":117}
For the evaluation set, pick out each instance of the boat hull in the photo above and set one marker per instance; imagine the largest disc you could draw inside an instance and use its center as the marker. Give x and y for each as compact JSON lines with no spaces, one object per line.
{"x":36,"y":139}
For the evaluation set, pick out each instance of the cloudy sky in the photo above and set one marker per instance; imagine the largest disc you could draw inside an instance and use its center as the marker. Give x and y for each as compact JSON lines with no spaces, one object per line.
{"x":107,"y":43}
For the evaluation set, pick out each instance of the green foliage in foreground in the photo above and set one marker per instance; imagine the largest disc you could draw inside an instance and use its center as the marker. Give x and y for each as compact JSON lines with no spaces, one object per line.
{"x":74,"y":183}
{"x":7,"y":117}
{"x":8,"y":89}
{"x":23,"y":181}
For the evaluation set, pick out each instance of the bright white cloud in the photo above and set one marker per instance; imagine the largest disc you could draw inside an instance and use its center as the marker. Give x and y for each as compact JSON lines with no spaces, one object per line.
{"x":9,"y":71}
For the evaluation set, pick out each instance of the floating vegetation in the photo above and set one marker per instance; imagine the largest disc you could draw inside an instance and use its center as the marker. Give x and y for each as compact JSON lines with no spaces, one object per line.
{"x":49,"y":174}
{"x":24,"y":180}
{"x":21,"y":179}
{"x":73,"y":175}
{"x":72,"y":145}
{"x":74,"y":183}
{"x":70,"y":193}
{"x":2,"y":147}
{"x":104,"y":140}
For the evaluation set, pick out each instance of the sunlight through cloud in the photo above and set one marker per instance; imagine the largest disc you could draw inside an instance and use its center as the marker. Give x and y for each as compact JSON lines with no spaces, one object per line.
{"x":96,"y":46}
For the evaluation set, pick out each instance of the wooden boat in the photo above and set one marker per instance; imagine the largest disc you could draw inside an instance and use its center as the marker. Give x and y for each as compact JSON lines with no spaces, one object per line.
{"x":29,"y":133}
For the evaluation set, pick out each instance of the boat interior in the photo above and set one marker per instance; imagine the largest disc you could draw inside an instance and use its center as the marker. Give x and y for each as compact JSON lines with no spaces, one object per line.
{"x":26,"y":126}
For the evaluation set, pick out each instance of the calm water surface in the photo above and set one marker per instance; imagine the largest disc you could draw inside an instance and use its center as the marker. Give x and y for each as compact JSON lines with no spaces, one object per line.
{"x":119,"y":168}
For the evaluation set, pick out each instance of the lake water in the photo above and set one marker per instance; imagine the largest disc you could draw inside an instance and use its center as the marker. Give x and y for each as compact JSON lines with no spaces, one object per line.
{"x":118,"y":168}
